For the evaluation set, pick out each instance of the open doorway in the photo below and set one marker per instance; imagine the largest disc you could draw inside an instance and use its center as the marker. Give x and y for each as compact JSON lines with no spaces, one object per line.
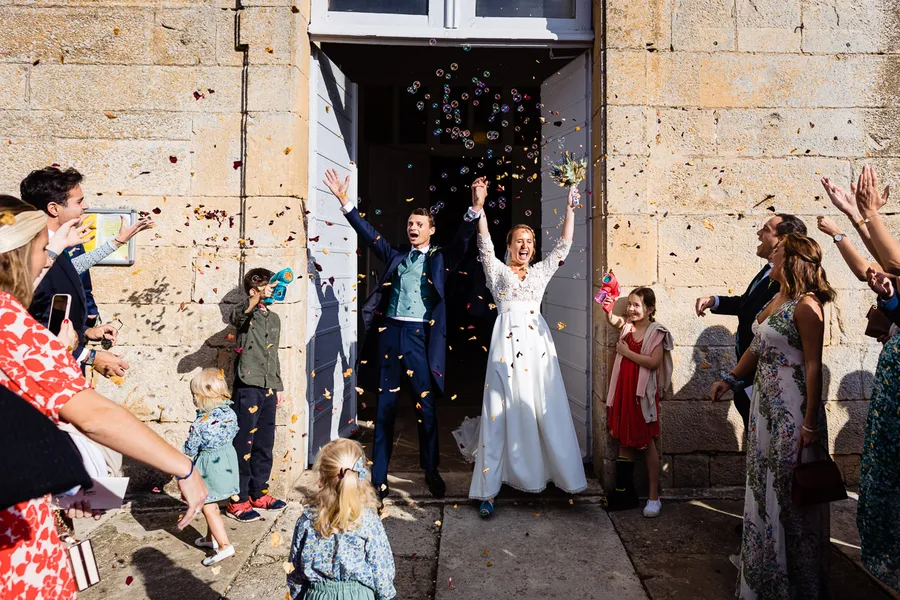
{"x":429,"y":120}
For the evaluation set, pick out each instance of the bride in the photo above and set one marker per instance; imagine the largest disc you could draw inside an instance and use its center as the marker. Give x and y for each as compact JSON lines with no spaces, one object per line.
{"x":526,"y":437}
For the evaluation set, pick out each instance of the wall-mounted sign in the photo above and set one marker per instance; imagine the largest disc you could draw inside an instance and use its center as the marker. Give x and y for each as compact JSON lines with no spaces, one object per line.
{"x":107,"y":222}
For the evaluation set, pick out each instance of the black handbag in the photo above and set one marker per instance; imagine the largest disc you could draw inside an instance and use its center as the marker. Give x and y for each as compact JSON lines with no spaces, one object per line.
{"x":36,"y":457}
{"x":817,"y":482}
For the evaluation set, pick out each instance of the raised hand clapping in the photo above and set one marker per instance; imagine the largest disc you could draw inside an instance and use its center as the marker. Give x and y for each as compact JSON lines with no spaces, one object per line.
{"x":868,"y":200}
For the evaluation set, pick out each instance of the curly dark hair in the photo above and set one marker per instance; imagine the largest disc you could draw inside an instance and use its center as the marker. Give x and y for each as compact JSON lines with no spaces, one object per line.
{"x":256,"y":277}
{"x":49,"y":185}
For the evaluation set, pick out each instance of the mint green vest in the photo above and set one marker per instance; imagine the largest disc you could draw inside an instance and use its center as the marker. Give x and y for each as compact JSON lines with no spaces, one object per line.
{"x":412,"y":295}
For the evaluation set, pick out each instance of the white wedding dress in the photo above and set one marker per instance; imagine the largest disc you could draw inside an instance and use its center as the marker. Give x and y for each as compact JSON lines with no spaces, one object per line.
{"x":525,"y":437}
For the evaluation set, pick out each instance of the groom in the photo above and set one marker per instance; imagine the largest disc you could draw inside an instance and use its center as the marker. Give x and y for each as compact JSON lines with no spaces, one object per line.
{"x":407,"y":310}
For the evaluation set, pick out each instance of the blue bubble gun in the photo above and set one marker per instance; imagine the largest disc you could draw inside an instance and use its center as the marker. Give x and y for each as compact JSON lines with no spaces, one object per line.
{"x":281,"y":279}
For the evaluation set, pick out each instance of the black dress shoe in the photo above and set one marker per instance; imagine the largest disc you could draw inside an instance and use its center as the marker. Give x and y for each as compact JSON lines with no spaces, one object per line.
{"x":436,"y":485}
{"x":382,"y":490}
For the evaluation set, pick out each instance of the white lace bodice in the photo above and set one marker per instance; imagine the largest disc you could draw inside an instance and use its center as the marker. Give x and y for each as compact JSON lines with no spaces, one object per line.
{"x":506,"y":286}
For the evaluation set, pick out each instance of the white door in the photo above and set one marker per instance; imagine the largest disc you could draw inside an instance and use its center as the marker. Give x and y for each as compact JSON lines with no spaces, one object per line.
{"x":331,"y":314}
{"x":566,"y":112}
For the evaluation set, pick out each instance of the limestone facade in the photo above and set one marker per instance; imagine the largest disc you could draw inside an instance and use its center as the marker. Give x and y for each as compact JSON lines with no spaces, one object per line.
{"x":708,"y":113}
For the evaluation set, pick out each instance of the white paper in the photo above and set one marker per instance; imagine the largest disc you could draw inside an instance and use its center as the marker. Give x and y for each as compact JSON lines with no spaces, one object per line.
{"x":749,"y":391}
{"x":106,"y":494}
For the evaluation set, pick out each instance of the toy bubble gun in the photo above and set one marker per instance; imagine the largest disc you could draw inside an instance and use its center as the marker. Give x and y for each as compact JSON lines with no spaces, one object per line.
{"x":609,"y":292}
{"x":281,"y":279}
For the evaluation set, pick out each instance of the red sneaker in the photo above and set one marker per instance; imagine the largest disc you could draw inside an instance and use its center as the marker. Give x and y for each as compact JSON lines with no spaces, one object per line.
{"x":242,"y":511}
{"x":267,"y":502}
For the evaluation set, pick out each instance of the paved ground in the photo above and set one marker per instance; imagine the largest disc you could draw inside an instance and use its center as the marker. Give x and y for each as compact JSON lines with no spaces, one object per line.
{"x":535,"y":547}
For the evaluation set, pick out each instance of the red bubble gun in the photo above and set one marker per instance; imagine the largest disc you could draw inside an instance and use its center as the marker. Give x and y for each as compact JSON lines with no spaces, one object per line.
{"x":609,"y":292}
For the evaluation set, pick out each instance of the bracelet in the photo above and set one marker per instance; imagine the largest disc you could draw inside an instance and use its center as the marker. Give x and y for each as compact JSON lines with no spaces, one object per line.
{"x":730,"y":379}
{"x":860,"y":223}
{"x":116,"y":240}
{"x":191,"y":472}
{"x":808,"y":430}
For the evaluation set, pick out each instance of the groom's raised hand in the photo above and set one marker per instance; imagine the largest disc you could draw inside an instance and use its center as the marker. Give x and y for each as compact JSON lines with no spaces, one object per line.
{"x":338,"y":188}
{"x":479,"y":193}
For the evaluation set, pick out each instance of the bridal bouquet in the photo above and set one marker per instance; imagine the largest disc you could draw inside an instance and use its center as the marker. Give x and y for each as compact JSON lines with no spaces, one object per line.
{"x":570,"y":172}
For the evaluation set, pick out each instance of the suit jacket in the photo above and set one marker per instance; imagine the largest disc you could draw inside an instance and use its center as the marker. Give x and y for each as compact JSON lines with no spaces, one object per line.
{"x":747,"y":307}
{"x":62,"y":278}
{"x":439,"y":262}
{"x":88,"y":287}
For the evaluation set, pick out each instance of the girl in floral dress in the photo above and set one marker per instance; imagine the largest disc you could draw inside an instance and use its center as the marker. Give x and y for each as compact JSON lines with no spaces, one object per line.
{"x":210,"y":445}
{"x":340,"y":550}
{"x":785,"y":548}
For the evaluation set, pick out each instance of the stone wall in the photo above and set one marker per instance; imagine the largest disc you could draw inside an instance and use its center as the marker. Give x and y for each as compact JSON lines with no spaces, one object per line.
{"x":150,"y":100}
{"x":719,"y":113}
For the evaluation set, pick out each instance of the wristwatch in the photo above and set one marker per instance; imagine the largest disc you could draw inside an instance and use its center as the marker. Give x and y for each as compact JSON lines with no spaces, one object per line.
{"x":838,"y":237}
{"x":89,"y":361}
{"x":53,"y":255}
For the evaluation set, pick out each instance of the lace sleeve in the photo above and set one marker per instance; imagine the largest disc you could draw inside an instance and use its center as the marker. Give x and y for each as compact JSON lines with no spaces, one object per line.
{"x":489,"y":261}
{"x":84,"y":262}
{"x":554,"y":260}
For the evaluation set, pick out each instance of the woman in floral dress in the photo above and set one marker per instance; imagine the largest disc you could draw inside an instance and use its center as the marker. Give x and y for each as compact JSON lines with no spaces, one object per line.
{"x":785,"y":548}
{"x":35,"y":365}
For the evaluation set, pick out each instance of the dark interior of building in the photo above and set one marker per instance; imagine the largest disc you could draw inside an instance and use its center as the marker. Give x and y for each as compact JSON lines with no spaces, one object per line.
{"x":431,"y":120}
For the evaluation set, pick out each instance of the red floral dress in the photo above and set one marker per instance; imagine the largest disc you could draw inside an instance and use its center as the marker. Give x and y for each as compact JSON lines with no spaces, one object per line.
{"x":625,"y":418}
{"x":36,"y":366}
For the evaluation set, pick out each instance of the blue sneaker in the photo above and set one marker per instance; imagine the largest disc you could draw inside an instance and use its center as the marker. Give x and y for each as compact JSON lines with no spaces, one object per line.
{"x":242,"y":511}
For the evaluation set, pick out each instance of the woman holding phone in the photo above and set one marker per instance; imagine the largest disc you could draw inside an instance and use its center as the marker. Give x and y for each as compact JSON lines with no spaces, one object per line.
{"x":34,"y":365}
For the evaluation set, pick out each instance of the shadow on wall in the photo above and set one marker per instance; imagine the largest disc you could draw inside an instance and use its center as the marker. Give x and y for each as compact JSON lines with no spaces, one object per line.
{"x":848,"y":440}
{"x":200,"y":358}
{"x":326,"y":349}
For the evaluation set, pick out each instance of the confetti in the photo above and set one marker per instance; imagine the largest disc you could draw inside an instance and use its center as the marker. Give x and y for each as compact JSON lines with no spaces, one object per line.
{"x":253,"y":409}
{"x":560,"y":325}
{"x":293,"y":418}
{"x":275,"y":539}
{"x":288,"y":569}
{"x":109,"y":115}
{"x":247,"y":456}
{"x":128,"y":580}
{"x":155,"y":490}
{"x":216,"y":570}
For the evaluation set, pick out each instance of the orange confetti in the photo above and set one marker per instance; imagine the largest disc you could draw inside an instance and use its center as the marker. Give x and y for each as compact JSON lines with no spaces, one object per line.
{"x":293,"y":418}
{"x":253,"y":409}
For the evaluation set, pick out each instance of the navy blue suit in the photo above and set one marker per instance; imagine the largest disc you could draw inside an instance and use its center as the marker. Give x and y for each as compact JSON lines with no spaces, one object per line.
{"x":88,"y":288}
{"x":422,"y":346}
{"x":62,"y":278}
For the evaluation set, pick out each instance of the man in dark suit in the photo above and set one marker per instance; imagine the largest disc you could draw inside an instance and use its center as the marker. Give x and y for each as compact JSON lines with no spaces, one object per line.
{"x":407,"y":308}
{"x":58,"y":193}
{"x":747,"y":306}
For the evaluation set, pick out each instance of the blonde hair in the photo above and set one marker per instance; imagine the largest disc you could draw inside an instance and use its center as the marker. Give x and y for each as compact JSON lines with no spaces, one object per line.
{"x":209,"y":389}
{"x":802,"y":271}
{"x":342,"y":495}
{"x":512,"y":232}
{"x":15,"y":265}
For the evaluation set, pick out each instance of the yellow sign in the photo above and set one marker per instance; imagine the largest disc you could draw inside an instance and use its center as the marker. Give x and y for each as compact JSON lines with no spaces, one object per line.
{"x":106,"y":224}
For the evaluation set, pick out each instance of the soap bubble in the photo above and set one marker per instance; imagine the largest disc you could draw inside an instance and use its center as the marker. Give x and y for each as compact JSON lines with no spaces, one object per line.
{"x":469,"y":144}
{"x":443,"y":176}
{"x":433,"y":188}
{"x":440,"y":204}
{"x":464,"y":170}
{"x":496,"y":221}
{"x":505,"y":108}
{"x":420,"y":105}
{"x":453,"y":66}
{"x":508,"y":149}
{"x":492,"y":135}
{"x":454,"y":104}
{"x":466,"y":47}
{"x":434,"y":210}
{"x":521,"y":108}
{"x":439,"y":72}
{"x":491,"y":204}
{"x":465,"y":96}
{"x":480,"y":165}
{"x":377,"y":211}
{"x":437,"y":132}
{"x":453,"y":188}
{"x":527,"y":213}
{"x":490,"y":153}
{"x":432,"y":42}
{"x":504,"y":123}
{"x":428,"y":96}
{"x":487,"y":74}
{"x":474,"y":102}
{"x":409,"y":166}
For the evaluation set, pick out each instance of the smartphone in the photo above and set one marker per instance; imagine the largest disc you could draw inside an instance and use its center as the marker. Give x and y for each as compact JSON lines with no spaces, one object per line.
{"x":59,"y":312}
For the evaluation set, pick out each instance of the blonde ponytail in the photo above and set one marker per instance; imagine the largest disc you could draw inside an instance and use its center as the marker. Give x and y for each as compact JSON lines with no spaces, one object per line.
{"x":345,"y":488}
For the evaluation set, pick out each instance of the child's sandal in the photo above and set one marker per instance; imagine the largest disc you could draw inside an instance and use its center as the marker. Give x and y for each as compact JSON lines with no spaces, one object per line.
{"x":487,"y":509}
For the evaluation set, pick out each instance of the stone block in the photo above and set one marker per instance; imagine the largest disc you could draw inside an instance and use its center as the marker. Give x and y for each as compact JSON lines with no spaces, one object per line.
{"x":271,"y":172}
{"x":626,"y":73}
{"x":845,"y":26}
{"x":682,"y":131}
{"x":216,"y":274}
{"x":710,"y":251}
{"x":268,"y":31}
{"x":675,"y":309}
{"x":744,"y":186}
{"x":769,"y":25}
{"x":212,"y":222}
{"x":666,"y":472}
{"x":632,"y":248}
{"x":72,"y":35}
{"x":727,"y":470}
{"x":143,"y":325}
{"x":703,"y":25}
{"x":216,"y":148}
{"x":13,"y":86}
{"x":185,"y":36}
{"x":640,"y":25}
{"x":846,"y":426}
{"x":880,"y":130}
{"x":848,"y":317}
{"x":626,"y":185}
{"x":119,"y":88}
{"x":795,"y":132}
{"x":691,"y":471}
{"x":843,"y":374}
{"x":672,"y":79}
{"x":696,"y":368}
{"x":275,"y":88}
{"x":95,"y":125}
{"x":700,"y":426}
{"x":850,"y":468}
{"x":159,"y":276}
{"x":626,"y":130}
{"x":871,"y":355}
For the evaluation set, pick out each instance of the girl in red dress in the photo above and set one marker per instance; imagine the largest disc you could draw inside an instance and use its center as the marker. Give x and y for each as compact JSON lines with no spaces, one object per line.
{"x":642,"y":370}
